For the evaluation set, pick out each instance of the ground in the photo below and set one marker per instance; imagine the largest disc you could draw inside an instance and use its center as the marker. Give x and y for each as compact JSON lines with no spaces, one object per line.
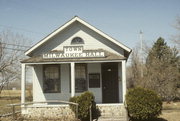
{"x":170,"y":112}
{"x":10,"y":97}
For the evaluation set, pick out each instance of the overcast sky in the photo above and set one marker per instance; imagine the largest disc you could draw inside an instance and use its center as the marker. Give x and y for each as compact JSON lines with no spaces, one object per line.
{"x":121,"y":19}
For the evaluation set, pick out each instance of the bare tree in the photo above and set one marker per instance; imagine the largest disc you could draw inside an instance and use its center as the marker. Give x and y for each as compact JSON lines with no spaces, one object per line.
{"x":135,"y":68}
{"x":11,"y":51}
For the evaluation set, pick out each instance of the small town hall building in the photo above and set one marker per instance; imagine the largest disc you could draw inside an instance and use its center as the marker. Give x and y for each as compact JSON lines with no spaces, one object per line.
{"x":75,"y":58}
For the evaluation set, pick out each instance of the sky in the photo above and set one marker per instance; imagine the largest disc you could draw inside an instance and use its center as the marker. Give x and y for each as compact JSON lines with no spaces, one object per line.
{"x":121,"y":19}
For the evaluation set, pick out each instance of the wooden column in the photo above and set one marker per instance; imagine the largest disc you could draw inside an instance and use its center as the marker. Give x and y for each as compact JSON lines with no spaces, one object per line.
{"x":72,"y":79}
{"x":124,"y":79}
{"x":23,"y":83}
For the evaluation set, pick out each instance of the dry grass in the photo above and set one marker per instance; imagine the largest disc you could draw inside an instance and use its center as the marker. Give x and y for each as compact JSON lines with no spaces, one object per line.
{"x":12,"y":93}
{"x":171,"y":105}
{"x":171,"y":111}
{"x":171,"y":115}
{"x":10,"y":97}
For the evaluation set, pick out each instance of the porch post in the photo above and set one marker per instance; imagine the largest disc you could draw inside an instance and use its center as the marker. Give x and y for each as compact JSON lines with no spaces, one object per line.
{"x":72,"y":79}
{"x":23,"y":82}
{"x":124,"y":78}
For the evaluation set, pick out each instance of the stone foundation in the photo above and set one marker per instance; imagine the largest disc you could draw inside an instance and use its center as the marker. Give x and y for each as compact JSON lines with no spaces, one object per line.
{"x":64,"y":113}
{"x":49,"y":112}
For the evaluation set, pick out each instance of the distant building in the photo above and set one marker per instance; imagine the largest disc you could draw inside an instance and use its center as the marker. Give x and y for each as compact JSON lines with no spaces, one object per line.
{"x":14,"y":88}
{"x":75,"y":58}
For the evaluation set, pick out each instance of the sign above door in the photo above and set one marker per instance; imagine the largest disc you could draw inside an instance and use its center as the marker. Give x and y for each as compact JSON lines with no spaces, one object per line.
{"x":74,"y":52}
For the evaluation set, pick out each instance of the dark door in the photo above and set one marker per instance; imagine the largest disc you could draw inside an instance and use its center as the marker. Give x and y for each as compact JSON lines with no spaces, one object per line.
{"x":110,"y":83}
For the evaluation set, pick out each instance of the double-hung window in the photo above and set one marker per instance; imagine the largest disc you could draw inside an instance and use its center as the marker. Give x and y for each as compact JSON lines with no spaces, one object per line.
{"x":51,"y":82}
{"x":80,"y":77}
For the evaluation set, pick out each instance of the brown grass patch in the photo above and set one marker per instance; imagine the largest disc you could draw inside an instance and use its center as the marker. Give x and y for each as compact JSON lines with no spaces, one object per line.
{"x":171,"y":111}
{"x":11,"y":97}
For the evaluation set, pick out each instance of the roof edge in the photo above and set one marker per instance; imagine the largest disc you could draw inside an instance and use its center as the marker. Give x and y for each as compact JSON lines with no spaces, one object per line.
{"x":29,"y":51}
{"x":76,"y":18}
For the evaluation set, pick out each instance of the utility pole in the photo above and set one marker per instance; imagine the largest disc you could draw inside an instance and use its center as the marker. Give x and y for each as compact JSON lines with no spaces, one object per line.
{"x":141,"y":51}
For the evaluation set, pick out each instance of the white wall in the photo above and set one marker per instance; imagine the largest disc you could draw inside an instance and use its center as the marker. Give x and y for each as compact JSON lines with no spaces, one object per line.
{"x":95,"y":68}
{"x":37,"y":84}
{"x":38,"y":94}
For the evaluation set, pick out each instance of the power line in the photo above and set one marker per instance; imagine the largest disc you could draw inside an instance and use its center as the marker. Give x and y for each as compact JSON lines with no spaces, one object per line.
{"x":18,"y":47}
{"x":21,"y":29}
{"x":14,"y":49}
{"x":15,"y":45}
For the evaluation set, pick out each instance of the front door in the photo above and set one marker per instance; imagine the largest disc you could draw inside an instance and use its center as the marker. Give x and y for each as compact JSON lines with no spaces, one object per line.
{"x":110,"y":83}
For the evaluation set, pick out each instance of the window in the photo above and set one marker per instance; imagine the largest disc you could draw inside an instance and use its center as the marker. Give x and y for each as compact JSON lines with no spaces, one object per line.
{"x":51,"y":78}
{"x":81,"y":80}
{"x":77,"y":40}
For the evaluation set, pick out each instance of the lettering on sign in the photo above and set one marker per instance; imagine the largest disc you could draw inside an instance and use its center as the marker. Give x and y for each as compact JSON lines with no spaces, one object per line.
{"x":73,"y":49}
{"x":74,"y":52}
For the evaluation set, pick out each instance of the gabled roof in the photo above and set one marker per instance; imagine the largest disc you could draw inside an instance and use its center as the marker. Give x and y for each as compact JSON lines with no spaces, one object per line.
{"x":74,"y":19}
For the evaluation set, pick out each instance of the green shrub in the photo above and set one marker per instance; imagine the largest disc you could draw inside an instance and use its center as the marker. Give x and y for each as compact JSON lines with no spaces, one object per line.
{"x":85,"y":100}
{"x":143,"y":104}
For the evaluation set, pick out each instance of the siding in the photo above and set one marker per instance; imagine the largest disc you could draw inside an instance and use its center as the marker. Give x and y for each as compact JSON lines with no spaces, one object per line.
{"x":96,"y":68}
{"x":38,"y":94}
{"x":65,"y":94}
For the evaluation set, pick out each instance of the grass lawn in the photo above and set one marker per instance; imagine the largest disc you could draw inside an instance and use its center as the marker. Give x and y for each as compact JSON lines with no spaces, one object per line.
{"x":10,"y":97}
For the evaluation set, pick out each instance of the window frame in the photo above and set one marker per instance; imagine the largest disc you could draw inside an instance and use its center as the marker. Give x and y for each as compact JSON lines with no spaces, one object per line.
{"x":59,"y":79}
{"x":86,"y":81}
{"x":74,"y":41}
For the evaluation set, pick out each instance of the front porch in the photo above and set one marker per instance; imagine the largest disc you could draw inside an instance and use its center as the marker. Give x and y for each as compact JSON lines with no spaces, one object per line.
{"x":106,"y":80}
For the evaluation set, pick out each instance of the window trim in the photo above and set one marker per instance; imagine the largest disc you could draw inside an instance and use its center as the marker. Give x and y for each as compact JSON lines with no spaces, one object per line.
{"x":59,"y":68}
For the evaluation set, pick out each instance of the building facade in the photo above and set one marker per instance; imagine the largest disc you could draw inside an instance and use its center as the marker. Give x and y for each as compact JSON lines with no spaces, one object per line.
{"x":77,"y":57}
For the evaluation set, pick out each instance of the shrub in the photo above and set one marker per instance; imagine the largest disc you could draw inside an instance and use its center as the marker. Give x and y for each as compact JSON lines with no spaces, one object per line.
{"x":85,"y":100}
{"x":143,"y":104}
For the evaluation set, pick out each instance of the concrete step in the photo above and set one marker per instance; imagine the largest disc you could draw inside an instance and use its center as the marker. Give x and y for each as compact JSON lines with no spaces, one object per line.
{"x":112,"y":118}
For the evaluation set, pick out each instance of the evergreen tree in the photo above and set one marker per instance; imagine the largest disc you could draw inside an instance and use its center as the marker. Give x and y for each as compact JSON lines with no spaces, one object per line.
{"x":162,"y":67}
{"x":160,"y":51}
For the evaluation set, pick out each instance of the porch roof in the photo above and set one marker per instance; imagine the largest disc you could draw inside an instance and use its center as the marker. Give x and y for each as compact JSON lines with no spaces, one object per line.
{"x":108,"y":57}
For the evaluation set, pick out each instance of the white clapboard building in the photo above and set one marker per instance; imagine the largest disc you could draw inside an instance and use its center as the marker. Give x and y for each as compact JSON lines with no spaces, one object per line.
{"x":74,"y":58}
